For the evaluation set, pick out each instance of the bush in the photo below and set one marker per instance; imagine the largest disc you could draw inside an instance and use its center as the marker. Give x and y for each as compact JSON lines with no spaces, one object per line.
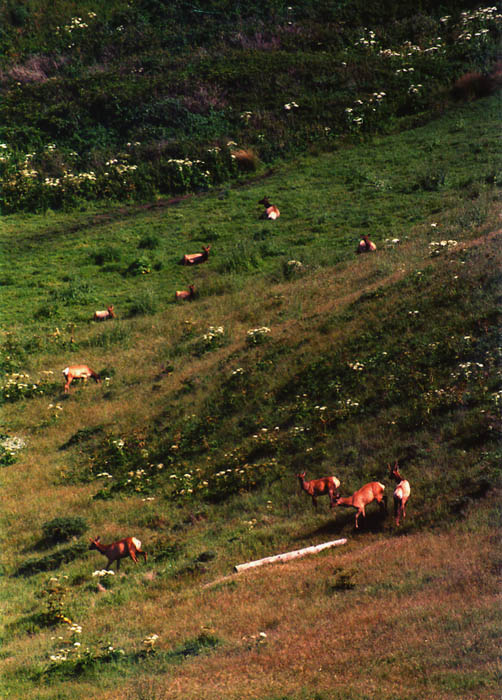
{"x":64,"y":528}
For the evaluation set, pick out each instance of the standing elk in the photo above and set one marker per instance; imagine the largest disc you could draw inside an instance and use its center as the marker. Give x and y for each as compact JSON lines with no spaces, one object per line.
{"x":79,"y":372}
{"x":271,"y":211}
{"x":196,"y":258}
{"x":319,"y":487}
{"x":374,"y":491}
{"x":105,"y":314}
{"x":185,"y":295}
{"x":401,"y":493}
{"x":366,"y":246}
{"x":128,"y":547}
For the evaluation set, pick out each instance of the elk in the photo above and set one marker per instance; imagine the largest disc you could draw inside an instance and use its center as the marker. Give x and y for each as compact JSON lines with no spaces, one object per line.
{"x":374,"y":491}
{"x":196,"y":258}
{"x":185,"y":295}
{"x":79,"y":372}
{"x":271,"y":211}
{"x":366,"y":246}
{"x":105,"y":314}
{"x":401,"y":493}
{"x":128,"y":547}
{"x":319,"y":487}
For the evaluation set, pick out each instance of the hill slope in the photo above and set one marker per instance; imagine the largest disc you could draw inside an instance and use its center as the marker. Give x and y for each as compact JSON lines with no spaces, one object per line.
{"x":296,"y":355}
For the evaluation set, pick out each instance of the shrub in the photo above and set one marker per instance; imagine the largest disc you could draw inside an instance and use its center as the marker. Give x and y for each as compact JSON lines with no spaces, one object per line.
{"x":64,"y":528}
{"x":140,"y":266}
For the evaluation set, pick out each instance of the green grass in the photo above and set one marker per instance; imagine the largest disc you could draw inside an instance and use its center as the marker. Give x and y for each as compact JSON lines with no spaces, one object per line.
{"x":193,"y":445}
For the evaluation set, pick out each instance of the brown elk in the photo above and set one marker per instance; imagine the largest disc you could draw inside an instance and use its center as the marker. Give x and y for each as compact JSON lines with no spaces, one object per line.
{"x":196,"y":258}
{"x":319,"y":487}
{"x":366,"y":246}
{"x":271,"y":211}
{"x":128,"y":547}
{"x":401,"y":493}
{"x":374,"y":491}
{"x":79,"y":372}
{"x":185,"y":295}
{"x":105,"y":314}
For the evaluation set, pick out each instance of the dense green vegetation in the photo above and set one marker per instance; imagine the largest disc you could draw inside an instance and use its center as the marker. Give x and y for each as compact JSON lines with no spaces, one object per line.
{"x":295,"y":354}
{"x":132,"y":101}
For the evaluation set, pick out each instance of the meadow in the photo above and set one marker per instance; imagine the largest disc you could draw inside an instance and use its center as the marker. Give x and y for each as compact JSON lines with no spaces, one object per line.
{"x":296,"y":354}
{"x":137,"y":133}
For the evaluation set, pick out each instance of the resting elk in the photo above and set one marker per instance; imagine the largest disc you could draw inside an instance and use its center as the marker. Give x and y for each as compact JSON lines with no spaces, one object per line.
{"x":271,"y":211}
{"x":79,"y":372}
{"x":128,"y":547}
{"x":320,"y":487}
{"x":366,"y":246}
{"x":374,"y":491}
{"x":196,"y":258}
{"x":401,"y":493}
{"x":105,"y":314}
{"x":185,"y":295}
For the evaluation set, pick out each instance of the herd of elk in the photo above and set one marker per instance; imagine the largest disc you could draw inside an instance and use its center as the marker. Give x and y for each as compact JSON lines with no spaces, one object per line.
{"x":128,"y":547}
{"x":271,"y":211}
{"x":326,"y":485}
{"x":105,"y":314}
{"x":196,"y":258}
{"x":366,"y":246}
{"x":185,"y":295}
{"x":79,"y":372}
{"x":401,"y":493}
{"x":373,"y":491}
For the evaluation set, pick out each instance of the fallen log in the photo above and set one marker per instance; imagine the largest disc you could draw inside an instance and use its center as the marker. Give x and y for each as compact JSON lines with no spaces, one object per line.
{"x":289,"y":555}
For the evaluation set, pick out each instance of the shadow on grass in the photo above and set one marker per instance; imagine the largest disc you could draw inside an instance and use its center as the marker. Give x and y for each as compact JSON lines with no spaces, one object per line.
{"x":344,"y":524}
{"x":51,"y":561}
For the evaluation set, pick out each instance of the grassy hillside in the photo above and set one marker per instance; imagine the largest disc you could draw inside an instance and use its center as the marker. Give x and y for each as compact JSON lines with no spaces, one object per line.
{"x":296,"y":355}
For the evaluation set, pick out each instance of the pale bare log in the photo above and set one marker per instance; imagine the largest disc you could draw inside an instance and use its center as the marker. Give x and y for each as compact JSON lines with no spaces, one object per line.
{"x":314,"y":549}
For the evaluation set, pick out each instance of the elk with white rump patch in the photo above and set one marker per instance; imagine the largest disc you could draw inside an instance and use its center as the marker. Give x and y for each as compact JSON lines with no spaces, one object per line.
{"x":185,"y":295}
{"x":401,"y":493}
{"x":105,"y":314}
{"x":374,"y":491}
{"x":79,"y":372}
{"x":128,"y":547}
{"x":271,"y":211}
{"x":196,"y":258}
{"x":319,"y":487}
{"x":366,"y":246}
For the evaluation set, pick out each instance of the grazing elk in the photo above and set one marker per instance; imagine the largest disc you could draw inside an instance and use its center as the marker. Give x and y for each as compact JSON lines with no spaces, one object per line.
{"x":105,"y":314}
{"x":319,"y":487}
{"x":185,"y":295}
{"x":366,"y":246}
{"x":128,"y":547}
{"x":79,"y":372}
{"x":271,"y":211}
{"x":196,"y":258}
{"x":401,"y":493}
{"x":374,"y":491}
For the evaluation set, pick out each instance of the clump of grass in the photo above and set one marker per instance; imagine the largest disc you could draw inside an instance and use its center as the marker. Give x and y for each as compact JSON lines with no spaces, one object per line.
{"x":149,"y":242}
{"x":144,"y":303}
{"x":107,"y":254}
